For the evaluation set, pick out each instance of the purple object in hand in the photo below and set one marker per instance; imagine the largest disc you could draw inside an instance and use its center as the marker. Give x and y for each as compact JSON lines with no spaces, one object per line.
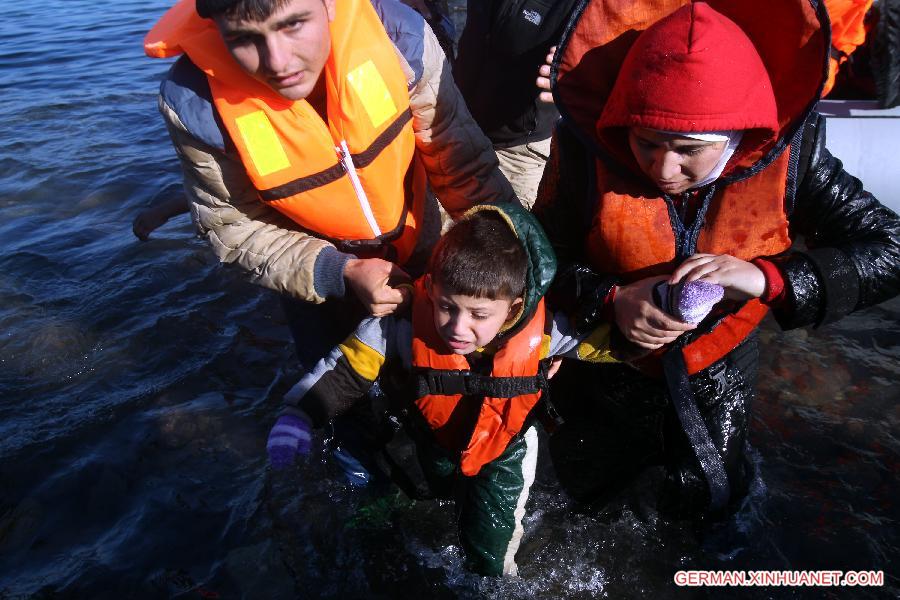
{"x":688,"y":301}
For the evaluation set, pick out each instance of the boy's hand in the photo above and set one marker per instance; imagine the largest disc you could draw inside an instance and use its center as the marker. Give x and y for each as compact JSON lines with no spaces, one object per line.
{"x":288,"y":439}
{"x":742,"y":280}
{"x":369,"y":279}
{"x":640,"y":320}
{"x":555,"y":364}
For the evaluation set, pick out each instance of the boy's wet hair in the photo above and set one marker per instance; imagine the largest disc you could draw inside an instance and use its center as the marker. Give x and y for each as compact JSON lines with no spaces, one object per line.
{"x":242,"y":10}
{"x":482,"y":257}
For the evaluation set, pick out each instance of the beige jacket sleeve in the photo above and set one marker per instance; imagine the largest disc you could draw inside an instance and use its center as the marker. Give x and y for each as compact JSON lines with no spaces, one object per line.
{"x":459,"y":159}
{"x":245,"y":232}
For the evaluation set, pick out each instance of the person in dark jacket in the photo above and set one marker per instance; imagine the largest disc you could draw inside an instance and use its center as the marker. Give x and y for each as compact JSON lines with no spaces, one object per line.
{"x":501,"y":48}
{"x":690,"y":150}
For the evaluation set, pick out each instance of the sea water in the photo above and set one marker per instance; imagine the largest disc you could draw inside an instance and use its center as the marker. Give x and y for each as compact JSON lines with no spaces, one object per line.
{"x":138,"y":382}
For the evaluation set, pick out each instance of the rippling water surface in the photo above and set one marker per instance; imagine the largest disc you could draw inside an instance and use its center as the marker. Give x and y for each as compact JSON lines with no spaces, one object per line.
{"x":138,"y":381}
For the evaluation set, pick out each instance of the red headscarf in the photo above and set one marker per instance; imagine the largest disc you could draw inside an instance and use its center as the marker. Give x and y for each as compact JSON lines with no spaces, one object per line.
{"x":693,"y":71}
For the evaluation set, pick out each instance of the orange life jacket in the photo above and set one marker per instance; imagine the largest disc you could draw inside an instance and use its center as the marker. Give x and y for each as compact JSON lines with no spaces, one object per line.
{"x":354,"y":179}
{"x":632,"y":236}
{"x":499,"y":418}
{"x":848,"y":31}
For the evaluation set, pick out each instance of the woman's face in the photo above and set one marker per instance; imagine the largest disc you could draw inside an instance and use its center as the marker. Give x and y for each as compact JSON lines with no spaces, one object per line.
{"x":674,"y":163}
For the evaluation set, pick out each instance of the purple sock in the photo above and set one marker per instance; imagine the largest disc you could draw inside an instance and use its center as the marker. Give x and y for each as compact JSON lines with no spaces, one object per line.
{"x":688,"y":301}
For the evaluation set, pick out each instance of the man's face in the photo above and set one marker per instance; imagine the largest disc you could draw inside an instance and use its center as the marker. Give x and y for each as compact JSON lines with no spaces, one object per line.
{"x":286,"y":51}
{"x":673,"y":162}
{"x":467,"y":323}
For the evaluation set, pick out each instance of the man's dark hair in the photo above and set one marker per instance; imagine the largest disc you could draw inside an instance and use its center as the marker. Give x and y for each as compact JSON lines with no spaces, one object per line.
{"x":481,"y":256}
{"x":243,"y":10}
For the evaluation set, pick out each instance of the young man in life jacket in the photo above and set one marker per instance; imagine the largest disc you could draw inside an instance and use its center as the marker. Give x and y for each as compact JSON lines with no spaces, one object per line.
{"x":312,"y":134}
{"x":469,"y":367}
{"x":690,"y":150}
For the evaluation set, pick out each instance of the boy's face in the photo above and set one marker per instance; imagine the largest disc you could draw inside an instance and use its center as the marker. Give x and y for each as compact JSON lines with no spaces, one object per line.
{"x":467,"y":323}
{"x":286,"y":51}
{"x":673,"y":162}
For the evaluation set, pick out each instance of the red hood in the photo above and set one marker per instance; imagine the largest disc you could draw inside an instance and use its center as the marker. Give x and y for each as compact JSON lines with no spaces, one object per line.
{"x":755,"y":65}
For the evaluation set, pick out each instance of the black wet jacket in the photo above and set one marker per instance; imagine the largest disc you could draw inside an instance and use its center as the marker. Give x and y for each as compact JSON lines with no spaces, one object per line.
{"x":852,"y":254}
{"x":886,"y":53}
{"x":500,"y":50}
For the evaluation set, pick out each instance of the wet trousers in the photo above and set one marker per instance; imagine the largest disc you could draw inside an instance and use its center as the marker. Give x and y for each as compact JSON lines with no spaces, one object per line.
{"x":619,"y":421}
{"x":490,"y":505}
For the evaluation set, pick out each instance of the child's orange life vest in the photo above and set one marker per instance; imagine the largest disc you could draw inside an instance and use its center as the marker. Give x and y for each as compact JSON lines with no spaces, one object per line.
{"x":500,"y":419}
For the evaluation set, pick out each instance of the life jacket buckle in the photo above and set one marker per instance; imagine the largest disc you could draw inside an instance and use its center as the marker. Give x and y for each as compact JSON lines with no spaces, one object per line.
{"x":449,"y":383}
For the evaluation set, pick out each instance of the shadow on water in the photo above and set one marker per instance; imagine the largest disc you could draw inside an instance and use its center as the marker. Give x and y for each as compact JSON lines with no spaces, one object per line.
{"x":138,"y":382}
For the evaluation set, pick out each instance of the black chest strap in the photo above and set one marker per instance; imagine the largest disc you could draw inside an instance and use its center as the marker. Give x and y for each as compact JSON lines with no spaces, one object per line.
{"x":450,"y":383}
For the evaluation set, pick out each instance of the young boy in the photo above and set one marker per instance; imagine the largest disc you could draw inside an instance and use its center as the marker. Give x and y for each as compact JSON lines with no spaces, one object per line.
{"x":472,"y":362}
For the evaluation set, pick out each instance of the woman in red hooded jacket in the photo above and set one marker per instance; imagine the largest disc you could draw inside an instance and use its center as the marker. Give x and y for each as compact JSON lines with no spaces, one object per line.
{"x":690,"y":150}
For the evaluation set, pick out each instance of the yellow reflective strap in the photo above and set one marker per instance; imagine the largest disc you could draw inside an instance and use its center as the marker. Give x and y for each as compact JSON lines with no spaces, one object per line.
{"x":262,"y":143}
{"x":370,"y":87}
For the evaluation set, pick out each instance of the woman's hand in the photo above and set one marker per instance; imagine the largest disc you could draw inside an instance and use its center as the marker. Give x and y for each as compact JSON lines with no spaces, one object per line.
{"x":640,"y":320}
{"x":742,"y":280}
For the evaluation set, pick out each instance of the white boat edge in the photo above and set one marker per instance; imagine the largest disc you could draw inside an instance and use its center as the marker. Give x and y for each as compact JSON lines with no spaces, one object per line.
{"x":867,"y":140}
